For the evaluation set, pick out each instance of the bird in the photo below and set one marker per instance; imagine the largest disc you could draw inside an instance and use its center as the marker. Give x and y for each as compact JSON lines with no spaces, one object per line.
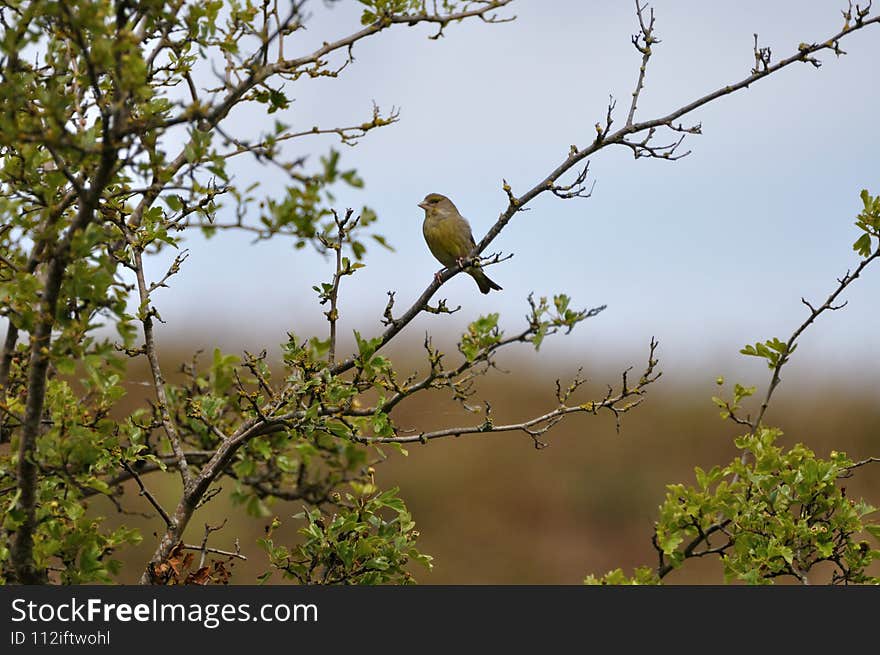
{"x":449,"y":237}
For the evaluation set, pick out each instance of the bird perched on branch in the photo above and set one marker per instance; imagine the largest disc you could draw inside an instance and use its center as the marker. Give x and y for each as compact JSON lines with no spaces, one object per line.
{"x":449,"y":237}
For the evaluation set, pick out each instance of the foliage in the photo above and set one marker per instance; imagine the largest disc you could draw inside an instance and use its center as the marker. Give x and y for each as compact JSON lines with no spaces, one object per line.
{"x":769,"y":514}
{"x":369,"y":539}
{"x":643,"y":575}
{"x":778,"y":513}
{"x":772,"y":512}
{"x":868,"y":221}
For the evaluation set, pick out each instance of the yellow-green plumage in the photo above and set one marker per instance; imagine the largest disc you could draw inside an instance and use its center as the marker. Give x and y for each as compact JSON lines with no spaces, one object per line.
{"x":449,"y":237}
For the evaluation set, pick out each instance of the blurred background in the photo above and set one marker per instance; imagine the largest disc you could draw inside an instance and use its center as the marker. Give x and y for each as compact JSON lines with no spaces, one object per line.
{"x":493,"y":510}
{"x":706,"y":254}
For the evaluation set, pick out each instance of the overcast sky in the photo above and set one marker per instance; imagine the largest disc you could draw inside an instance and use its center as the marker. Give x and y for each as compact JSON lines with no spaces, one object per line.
{"x":706,"y":253}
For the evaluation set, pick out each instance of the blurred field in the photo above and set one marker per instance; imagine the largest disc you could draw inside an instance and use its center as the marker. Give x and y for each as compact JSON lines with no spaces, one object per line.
{"x":492,"y":509}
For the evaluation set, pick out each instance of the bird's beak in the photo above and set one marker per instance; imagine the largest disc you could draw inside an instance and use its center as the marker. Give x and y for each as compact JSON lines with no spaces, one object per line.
{"x":423,"y":205}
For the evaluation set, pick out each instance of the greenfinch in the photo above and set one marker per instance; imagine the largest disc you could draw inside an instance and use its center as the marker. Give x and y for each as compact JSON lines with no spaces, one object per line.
{"x":449,"y":237}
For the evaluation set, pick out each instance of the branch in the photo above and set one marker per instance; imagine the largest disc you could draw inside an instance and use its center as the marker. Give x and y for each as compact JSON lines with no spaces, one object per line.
{"x":204,"y":547}
{"x":665,"y":568}
{"x":863,"y":462}
{"x":207,"y":549}
{"x":146,"y":493}
{"x":9,"y":345}
{"x":815,"y":312}
{"x":25,"y":572}
{"x":11,"y":340}
{"x":193,"y":494}
{"x":642,"y":42}
{"x":147,"y":467}
{"x":146,"y":313}
{"x":537,"y":426}
{"x":174,"y":269}
{"x":332,"y":295}
{"x":348,"y":135}
{"x":438,"y":377}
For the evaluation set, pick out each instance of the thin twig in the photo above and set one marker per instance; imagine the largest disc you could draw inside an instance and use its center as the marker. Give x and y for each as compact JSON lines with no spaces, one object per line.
{"x":342,"y":231}
{"x":646,"y":36}
{"x":155,"y":370}
{"x":146,"y":493}
{"x":538,"y":425}
{"x":217,"y":551}
{"x":204,"y":548}
{"x":815,"y":312}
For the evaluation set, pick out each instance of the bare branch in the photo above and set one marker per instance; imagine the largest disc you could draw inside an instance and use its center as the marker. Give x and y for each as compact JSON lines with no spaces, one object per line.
{"x":441,"y":308}
{"x":349,"y":135}
{"x":576,"y":189}
{"x":204,"y":547}
{"x":217,"y":551}
{"x":146,"y":313}
{"x":172,"y":270}
{"x":439,"y":377}
{"x":864,"y":462}
{"x":617,"y":403}
{"x":815,"y":312}
{"x":146,"y":493}
{"x":642,"y":42}
{"x":344,"y":226}
{"x":388,"y":317}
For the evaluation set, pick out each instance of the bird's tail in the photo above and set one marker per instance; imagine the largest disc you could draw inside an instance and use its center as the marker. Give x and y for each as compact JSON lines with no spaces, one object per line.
{"x":486,"y":285}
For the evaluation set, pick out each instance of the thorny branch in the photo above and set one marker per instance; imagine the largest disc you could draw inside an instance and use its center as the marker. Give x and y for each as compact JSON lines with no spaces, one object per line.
{"x":616,"y":402}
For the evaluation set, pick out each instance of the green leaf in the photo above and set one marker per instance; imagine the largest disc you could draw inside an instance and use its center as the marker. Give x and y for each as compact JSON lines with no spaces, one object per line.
{"x":863,"y":245}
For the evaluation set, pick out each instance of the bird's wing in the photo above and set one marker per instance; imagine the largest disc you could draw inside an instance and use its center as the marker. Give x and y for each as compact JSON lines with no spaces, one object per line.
{"x":470,"y":234}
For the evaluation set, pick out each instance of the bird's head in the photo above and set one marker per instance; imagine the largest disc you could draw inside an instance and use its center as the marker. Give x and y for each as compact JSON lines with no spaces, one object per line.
{"x":436,"y":203}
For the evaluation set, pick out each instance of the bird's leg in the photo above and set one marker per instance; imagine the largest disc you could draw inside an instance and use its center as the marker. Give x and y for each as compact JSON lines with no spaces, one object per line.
{"x":437,"y":275}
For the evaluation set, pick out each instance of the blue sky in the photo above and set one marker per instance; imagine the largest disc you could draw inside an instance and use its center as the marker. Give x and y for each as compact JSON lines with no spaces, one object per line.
{"x":707,"y":253}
